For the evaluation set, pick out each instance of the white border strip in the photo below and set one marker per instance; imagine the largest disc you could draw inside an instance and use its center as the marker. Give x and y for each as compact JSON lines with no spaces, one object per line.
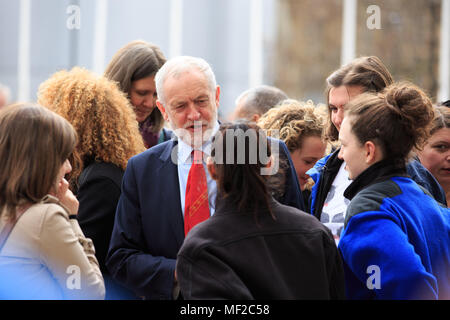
{"x":98,"y":54}
{"x":23,"y":63}
{"x":349,"y":17}
{"x":444,"y":53}
{"x":176,"y":28}
{"x":255,"y":58}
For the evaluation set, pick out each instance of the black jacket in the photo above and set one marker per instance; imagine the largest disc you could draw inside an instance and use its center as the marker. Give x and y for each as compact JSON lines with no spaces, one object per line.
{"x":230,"y":256}
{"x":98,"y":194}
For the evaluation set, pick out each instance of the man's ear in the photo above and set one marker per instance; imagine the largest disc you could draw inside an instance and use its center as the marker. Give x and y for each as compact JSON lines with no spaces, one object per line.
{"x":162,"y":110}
{"x":217,"y":96}
{"x":373,"y":152}
{"x":255,"y":117}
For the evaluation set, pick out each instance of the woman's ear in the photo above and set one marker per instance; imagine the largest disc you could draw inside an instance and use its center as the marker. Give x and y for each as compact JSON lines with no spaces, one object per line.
{"x":211,"y":168}
{"x":373,"y":152}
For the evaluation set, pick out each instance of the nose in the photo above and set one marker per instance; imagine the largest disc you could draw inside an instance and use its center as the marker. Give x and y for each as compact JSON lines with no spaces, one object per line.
{"x":68,"y":166}
{"x":340,"y":154}
{"x":339,"y":116}
{"x":149,"y":103}
{"x":193,"y":113}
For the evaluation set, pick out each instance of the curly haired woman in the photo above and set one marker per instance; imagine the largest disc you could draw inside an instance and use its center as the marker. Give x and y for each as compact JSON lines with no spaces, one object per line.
{"x":108,"y":137}
{"x":300,"y":127}
{"x":134,"y":67}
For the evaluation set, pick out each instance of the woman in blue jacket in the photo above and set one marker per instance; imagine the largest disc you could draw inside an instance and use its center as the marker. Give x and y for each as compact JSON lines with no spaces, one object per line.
{"x":396,"y":239}
{"x":365,"y":74}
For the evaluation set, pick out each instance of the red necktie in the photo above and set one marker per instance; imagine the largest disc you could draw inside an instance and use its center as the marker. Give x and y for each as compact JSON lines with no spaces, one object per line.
{"x":196,"y":207}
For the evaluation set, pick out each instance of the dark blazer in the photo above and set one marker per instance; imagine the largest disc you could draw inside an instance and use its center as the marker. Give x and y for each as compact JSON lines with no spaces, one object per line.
{"x":230,"y":256}
{"x":149,"y":226}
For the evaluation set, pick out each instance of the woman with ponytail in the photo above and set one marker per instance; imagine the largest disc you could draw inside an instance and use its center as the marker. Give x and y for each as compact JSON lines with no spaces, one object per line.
{"x":395,"y":243}
{"x":362,"y":75}
{"x":253,"y":247}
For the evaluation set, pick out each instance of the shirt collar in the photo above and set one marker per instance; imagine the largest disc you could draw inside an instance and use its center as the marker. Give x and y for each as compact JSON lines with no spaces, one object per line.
{"x":185,"y":150}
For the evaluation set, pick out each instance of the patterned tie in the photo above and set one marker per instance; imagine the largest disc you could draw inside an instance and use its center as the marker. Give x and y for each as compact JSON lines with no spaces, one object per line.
{"x":196,"y":203}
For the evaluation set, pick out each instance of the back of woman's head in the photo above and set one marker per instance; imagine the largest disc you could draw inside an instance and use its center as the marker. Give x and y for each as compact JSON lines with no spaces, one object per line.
{"x":136,"y":60}
{"x":34,"y":143}
{"x":397,"y":119}
{"x":292,"y":121}
{"x":100,"y":113}
{"x":240,"y":152}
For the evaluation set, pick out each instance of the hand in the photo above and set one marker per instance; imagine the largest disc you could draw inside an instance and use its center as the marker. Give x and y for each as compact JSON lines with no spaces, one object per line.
{"x":67,"y":198}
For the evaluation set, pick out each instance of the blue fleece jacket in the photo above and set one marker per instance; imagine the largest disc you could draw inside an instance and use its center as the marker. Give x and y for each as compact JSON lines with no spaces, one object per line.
{"x":414,"y":168}
{"x":396,"y":243}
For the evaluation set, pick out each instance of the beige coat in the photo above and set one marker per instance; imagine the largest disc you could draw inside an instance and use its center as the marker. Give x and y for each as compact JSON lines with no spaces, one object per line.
{"x":48,"y":257}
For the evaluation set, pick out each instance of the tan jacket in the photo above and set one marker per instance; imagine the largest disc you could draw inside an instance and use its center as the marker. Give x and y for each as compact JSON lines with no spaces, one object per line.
{"x":48,"y":257}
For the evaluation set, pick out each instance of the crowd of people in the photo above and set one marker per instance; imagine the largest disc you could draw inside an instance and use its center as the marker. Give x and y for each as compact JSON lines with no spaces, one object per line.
{"x":128,"y":185}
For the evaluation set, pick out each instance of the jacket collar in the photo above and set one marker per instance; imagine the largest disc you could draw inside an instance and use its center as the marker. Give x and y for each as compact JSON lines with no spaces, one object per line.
{"x":377,"y":172}
{"x":225,"y":206}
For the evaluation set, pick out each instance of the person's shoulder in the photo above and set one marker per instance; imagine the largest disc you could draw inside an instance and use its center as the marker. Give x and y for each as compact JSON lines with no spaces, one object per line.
{"x":373,"y":197}
{"x":424,"y":178}
{"x":297,"y":219}
{"x":198,"y":238}
{"x":154,"y":152}
{"x":48,"y":208}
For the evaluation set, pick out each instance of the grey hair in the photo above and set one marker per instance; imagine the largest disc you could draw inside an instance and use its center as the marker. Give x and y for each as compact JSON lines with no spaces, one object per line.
{"x":260,"y":99}
{"x":178,"y":65}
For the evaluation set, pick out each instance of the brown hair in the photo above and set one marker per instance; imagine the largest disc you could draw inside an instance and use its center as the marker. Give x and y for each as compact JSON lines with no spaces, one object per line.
{"x":137,"y":60}
{"x":240,"y":182}
{"x":397,"y":119}
{"x":441,"y":118}
{"x":34,"y":143}
{"x":367,"y":72}
{"x":99,"y":112}
{"x":294,"y":121}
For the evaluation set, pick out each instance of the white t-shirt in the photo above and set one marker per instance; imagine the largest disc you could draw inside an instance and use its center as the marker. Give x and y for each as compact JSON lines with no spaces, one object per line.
{"x":335,"y":206}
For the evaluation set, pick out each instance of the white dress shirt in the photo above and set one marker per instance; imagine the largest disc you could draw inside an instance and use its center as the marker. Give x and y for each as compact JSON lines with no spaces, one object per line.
{"x":184,"y":165}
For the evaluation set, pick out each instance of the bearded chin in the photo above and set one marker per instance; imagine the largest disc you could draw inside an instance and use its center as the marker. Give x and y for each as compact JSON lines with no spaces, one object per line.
{"x":198,"y":137}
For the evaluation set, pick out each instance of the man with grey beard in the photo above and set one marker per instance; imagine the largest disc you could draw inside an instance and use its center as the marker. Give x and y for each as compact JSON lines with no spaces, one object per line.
{"x":166,"y":189}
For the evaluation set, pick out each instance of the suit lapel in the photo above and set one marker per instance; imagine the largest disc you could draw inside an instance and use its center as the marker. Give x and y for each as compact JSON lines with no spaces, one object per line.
{"x":169,"y":173}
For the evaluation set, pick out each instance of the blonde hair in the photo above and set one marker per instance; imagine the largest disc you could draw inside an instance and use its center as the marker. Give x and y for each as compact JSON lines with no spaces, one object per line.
{"x":34,"y":143}
{"x":99,"y":112}
{"x":294,"y":120}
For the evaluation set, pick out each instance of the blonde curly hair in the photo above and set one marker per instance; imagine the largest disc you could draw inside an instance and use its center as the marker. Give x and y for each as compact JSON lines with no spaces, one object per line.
{"x":293,"y":120}
{"x":100,"y":113}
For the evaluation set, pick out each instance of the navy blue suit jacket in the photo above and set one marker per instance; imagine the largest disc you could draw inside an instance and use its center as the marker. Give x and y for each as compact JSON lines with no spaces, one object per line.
{"x":149,"y":225}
